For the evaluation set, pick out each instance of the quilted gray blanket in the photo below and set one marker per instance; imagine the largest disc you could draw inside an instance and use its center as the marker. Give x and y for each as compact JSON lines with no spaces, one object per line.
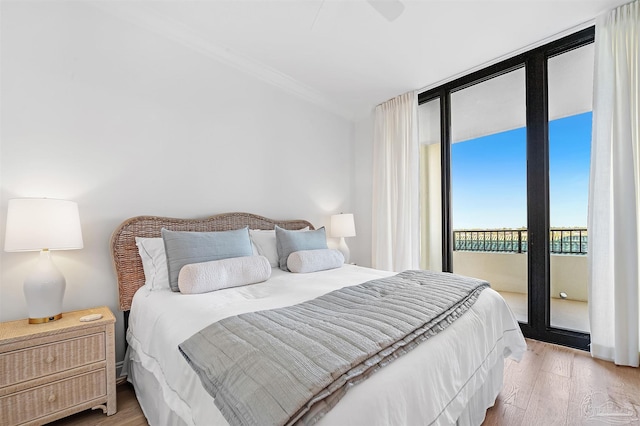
{"x":293,"y":364}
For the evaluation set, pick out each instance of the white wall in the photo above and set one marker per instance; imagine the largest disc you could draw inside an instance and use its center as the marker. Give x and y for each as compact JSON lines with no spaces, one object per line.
{"x":508,"y":272}
{"x":363,"y":191}
{"x":127,"y":123}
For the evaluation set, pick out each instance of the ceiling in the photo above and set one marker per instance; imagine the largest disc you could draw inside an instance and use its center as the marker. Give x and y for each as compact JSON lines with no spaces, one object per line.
{"x":346,"y":56}
{"x":498,"y":104}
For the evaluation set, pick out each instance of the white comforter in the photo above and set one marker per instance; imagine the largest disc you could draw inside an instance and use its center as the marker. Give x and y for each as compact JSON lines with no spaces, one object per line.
{"x":430,"y":385}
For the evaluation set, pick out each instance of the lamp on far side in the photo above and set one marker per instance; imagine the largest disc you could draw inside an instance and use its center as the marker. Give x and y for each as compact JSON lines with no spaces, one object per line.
{"x":342,"y":225}
{"x":43,"y":224}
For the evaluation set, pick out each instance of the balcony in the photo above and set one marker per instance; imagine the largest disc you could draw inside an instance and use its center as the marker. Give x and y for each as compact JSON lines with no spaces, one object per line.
{"x":499,"y":256}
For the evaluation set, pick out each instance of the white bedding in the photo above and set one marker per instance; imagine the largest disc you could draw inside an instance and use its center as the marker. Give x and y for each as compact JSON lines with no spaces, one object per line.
{"x":433,"y":384}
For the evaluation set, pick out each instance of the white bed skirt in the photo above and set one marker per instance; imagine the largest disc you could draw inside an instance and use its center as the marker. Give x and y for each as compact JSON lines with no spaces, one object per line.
{"x":157,"y":412}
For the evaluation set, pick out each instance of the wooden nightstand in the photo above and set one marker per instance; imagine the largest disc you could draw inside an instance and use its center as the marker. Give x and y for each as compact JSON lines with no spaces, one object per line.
{"x":49,"y":371}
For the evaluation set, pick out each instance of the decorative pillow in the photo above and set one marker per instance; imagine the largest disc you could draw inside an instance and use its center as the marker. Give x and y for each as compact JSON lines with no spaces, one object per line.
{"x":289,"y":241}
{"x":304,"y":261}
{"x":154,"y":262}
{"x":184,"y":248}
{"x":265,"y":244}
{"x":218,"y":274}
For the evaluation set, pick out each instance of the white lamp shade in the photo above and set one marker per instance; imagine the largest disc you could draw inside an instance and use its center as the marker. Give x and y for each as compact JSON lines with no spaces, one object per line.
{"x":342,"y":225}
{"x":42,"y":223}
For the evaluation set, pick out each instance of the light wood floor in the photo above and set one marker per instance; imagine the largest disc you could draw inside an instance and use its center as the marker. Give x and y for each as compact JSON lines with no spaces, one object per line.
{"x":555,"y":385}
{"x":129,"y":412}
{"x":552,"y":385}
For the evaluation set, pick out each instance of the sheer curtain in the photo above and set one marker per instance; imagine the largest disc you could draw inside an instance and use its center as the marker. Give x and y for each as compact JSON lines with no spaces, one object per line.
{"x":396,"y":220}
{"x":614,"y":194}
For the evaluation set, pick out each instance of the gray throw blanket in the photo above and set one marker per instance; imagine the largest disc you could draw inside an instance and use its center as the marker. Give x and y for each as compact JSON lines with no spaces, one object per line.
{"x":293,"y":364}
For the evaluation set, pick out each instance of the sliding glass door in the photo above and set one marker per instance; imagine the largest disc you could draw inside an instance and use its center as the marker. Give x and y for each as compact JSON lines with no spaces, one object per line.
{"x":570,"y":76}
{"x":513,"y":162}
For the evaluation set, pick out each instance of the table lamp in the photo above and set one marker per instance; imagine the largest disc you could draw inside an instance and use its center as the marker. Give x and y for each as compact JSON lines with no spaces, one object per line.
{"x":342,"y":225}
{"x":43,"y":224}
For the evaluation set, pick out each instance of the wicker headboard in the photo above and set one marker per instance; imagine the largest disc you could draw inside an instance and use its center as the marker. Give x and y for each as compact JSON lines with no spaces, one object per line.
{"x":124,"y":251}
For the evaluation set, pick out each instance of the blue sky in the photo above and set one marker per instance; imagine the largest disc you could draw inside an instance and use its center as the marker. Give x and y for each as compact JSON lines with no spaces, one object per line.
{"x":488,"y":177}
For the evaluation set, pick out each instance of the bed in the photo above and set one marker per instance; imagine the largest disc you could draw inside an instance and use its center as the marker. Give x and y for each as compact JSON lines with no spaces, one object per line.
{"x":451,"y":378}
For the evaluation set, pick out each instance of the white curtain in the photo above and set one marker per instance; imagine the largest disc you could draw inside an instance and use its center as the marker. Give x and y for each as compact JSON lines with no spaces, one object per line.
{"x":396,"y":217}
{"x":614,"y":193}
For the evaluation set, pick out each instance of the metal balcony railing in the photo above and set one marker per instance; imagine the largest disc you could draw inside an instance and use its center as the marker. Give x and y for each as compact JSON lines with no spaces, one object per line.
{"x":561,"y":241}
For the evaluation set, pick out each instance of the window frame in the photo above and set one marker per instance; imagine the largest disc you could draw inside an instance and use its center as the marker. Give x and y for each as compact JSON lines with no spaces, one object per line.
{"x":535,"y":63}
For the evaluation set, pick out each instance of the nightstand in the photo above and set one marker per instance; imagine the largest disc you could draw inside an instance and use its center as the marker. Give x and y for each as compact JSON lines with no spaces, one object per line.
{"x":49,"y":371}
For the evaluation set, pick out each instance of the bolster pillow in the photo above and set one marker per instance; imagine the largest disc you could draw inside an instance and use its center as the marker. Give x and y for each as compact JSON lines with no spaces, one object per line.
{"x":314,"y":260}
{"x":225,"y":273}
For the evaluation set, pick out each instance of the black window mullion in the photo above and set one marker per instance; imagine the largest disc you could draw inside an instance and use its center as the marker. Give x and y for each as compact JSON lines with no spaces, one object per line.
{"x":445,"y":164}
{"x":538,"y":190}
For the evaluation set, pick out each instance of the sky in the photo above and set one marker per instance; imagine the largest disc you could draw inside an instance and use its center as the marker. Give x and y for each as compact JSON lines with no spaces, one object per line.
{"x":488,"y":177}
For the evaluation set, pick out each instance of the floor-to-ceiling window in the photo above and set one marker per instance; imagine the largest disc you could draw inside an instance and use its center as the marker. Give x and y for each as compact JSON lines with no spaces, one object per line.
{"x":504,"y":160}
{"x":431,"y":184}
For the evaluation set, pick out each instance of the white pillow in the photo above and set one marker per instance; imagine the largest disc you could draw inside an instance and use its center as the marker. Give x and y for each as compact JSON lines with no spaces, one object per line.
{"x":154,"y":262}
{"x":224,"y":273}
{"x":265,"y":244}
{"x":314,"y":260}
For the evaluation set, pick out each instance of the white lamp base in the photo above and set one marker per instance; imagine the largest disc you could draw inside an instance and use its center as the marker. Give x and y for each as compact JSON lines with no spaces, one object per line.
{"x":44,"y":291}
{"x":344,"y":249}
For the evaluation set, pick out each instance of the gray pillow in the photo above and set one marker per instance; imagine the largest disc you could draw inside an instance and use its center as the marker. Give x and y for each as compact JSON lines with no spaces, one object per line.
{"x":304,"y":261}
{"x":288,"y":242}
{"x":184,"y":248}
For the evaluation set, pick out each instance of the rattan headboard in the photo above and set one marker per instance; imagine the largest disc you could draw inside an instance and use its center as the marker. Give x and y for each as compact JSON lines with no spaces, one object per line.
{"x":124,"y":251}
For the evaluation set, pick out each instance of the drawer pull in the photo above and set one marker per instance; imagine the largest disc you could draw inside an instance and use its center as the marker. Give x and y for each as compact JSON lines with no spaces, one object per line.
{"x":52,"y":397}
{"x":50,"y":359}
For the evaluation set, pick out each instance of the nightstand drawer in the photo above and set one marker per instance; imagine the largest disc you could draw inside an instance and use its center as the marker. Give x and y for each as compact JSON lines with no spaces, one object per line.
{"x":38,"y":361}
{"x":41,"y":401}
